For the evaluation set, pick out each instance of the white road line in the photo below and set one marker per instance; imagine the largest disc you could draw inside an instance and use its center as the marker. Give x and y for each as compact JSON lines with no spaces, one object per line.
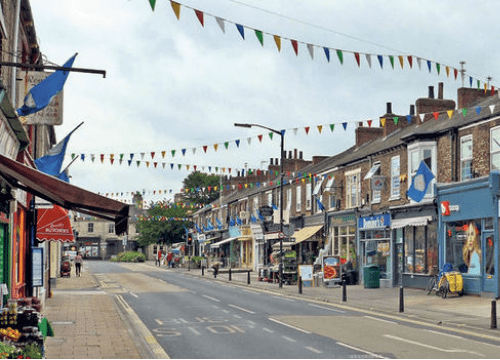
{"x":314,"y":350}
{"x":379,"y":319}
{"x":369,"y":353}
{"x":268,"y":330}
{"x":236,"y":316}
{"x":211,"y":298}
{"x":325,"y":308}
{"x":290,"y":326}
{"x":282,"y":298}
{"x":241,"y":309}
{"x":432,"y":347}
{"x":289,"y":339}
{"x":134,"y":295}
{"x":225,"y":311}
{"x":196,"y":332}
{"x":252,"y":292}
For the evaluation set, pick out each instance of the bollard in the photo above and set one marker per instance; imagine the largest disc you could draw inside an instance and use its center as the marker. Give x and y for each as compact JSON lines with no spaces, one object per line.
{"x":344,"y":290}
{"x":229,"y":274}
{"x":401,"y":300}
{"x":248,"y":277}
{"x":202,"y":271}
{"x":493,"y":314}
{"x":300,"y":284}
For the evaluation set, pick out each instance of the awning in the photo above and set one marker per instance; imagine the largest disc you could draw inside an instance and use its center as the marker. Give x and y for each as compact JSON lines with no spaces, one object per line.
{"x":372,"y":171}
{"x":317,"y":188}
{"x":63,"y":194}
{"x":217,"y":244}
{"x":329,"y":185}
{"x":54,"y":225}
{"x":414,"y":221}
{"x":305,"y":233}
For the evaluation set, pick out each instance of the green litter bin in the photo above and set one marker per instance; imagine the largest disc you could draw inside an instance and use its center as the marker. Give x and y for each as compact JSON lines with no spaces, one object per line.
{"x":371,"y":276}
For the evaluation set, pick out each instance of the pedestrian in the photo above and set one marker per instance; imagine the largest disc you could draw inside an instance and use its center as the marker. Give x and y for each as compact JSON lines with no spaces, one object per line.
{"x":78,"y":264}
{"x":158,"y":257}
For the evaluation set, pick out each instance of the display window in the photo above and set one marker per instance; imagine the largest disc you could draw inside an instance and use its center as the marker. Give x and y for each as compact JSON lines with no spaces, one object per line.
{"x":377,"y":250}
{"x":420,"y":249}
{"x":463,"y":247}
{"x":344,"y":244}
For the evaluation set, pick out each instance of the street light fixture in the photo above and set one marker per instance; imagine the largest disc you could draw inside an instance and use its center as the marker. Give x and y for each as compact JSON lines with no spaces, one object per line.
{"x":282,"y":134}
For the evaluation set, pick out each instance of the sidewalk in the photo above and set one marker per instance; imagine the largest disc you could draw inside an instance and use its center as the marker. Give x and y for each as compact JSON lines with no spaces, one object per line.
{"x":467,"y":314}
{"x":86,"y":322}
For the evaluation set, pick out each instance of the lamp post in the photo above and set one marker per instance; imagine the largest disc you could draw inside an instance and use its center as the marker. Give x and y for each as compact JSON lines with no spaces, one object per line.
{"x":282,"y":134}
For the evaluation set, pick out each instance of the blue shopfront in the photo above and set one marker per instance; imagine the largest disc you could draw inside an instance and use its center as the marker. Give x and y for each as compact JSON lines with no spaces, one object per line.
{"x":468,"y":231}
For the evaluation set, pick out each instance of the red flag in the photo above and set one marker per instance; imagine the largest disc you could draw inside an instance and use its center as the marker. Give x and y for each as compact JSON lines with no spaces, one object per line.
{"x":260,"y":138}
{"x":199,"y":15}
{"x":356,"y":55}
{"x":295,"y":46}
{"x":370,"y":123}
{"x":436,"y":115}
{"x":410,"y":60}
{"x":205,"y":148}
{"x":307,"y":130}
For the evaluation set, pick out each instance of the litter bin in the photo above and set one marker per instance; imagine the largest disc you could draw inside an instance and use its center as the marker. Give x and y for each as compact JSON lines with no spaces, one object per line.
{"x":371,"y":276}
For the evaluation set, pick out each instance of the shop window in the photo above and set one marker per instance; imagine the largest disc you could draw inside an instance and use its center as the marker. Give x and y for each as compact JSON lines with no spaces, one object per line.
{"x":421,"y":249}
{"x":466,"y":157}
{"x":495,"y":148}
{"x":463,"y":246}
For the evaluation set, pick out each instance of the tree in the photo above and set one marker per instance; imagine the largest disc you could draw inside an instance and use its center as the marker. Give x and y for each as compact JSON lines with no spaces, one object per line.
{"x":201,"y":188}
{"x":165,"y":224}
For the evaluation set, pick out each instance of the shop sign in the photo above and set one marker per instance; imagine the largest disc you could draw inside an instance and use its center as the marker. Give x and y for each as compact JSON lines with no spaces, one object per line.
{"x":446,"y":208}
{"x":342,"y":220}
{"x":374,"y":222}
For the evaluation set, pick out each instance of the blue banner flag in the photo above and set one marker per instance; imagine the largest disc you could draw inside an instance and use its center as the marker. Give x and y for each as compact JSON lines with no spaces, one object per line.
{"x":320,"y":205}
{"x":420,"y":183}
{"x":40,"y":95}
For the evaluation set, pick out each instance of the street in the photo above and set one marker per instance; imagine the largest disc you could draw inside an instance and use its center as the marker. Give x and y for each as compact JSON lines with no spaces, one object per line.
{"x":192,"y":317}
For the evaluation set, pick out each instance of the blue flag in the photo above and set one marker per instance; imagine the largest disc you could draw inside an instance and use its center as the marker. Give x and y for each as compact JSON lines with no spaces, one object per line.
{"x":420,"y":183}
{"x":219,"y":224}
{"x":320,"y":205}
{"x":40,"y":95}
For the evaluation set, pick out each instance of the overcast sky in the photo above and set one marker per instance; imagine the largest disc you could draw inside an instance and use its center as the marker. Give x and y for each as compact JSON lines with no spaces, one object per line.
{"x":175,"y":84}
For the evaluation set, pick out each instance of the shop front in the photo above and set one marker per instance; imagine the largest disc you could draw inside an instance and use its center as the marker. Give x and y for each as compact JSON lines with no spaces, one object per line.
{"x":342,"y":237}
{"x":468,"y":231}
{"x":375,"y":246}
{"x":415,"y":244}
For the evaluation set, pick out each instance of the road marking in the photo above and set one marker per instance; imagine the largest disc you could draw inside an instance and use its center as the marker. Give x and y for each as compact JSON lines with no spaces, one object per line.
{"x":211,"y":298}
{"x":124,"y":303}
{"x":268,"y":330}
{"x":242,"y":309}
{"x":325,"y":308}
{"x":441,"y":333}
{"x":433,"y":347}
{"x":134,"y":295}
{"x":290,"y":326}
{"x":196,"y":332}
{"x":282,"y":298}
{"x":314,"y":350}
{"x":361,"y":350}
{"x":289,"y":339}
{"x":236,"y":316}
{"x":379,"y":319}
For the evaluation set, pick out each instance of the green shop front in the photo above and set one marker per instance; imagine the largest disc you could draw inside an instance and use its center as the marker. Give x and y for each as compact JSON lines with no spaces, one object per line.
{"x":468,"y":231}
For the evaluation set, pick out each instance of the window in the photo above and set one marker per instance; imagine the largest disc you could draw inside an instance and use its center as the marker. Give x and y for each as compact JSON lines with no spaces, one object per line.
{"x":298,"y":199}
{"x":466,"y":157}
{"x":269,"y":196}
{"x":463,"y":246}
{"x":332,"y":201}
{"x":395,"y":180}
{"x":289,"y":199}
{"x":353,"y":188}
{"x":90,"y":227}
{"x":111,"y":228}
{"x":374,"y":171}
{"x":308,"y":196}
{"x":495,"y":148}
{"x":426,"y":152}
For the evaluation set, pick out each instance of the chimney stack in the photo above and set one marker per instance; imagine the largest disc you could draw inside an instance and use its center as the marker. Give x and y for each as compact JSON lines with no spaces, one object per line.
{"x":431,"y":92}
{"x":389,"y":108}
{"x":440,"y":90}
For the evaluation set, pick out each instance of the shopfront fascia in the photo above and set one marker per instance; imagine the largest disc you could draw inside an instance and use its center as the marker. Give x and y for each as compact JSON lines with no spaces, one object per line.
{"x":341,"y":234}
{"x":375,"y":245}
{"x":468,"y":231}
{"x":414,"y":230}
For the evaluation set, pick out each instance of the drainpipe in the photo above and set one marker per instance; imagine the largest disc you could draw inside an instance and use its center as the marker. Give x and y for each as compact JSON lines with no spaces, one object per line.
{"x":14,"y":54}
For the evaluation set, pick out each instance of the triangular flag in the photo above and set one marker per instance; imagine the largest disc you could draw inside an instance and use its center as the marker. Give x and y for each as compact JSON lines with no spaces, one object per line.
{"x":153,"y":3}
{"x":408,"y":118}
{"x":344,"y":125}
{"x":221,"y":24}
{"x":380,"y":61}
{"x":391,"y":59}
{"x":492,"y":108}
{"x":447,"y":71}
{"x":310,"y":48}
{"x":340,"y":55}
{"x":271,"y":135}
{"x":199,"y":15}
{"x":327,"y":53}
{"x":259,"y":35}
{"x":216,"y":146}
{"x":382,"y":122}
{"x":277,"y":40}
{"x":177,"y":9}
{"x":450,"y":113}
{"x":295,"y":46}
{"x":422,"y":117}
{"x":173,"y":153}
{"x":356,"y":56}
{"x":438,"y":67}
{"x":478,"y":109}
{"x":307,"y":129}
{"x":163,"y":154}
{"x":332,"y":126}
{"x":226,"y":145}
{"x":237,"y":143}
{"x":395,"y":119}
{"x":369,"y":60}
{"x":410,"y":60}
{"x":455,"y":73}
{"x":429,"y":65}
{"x":435,"y":114}
{"x":183,"y":152}
{"x":464,"y":112}
{"x":205,"y":147}
{"x":260,"y":137}
{"x":241,"y":30}
{"x":401,"y":61}
{"x":369,"y":123}
{"x":320,"y":127}
{"x":249,"y":140}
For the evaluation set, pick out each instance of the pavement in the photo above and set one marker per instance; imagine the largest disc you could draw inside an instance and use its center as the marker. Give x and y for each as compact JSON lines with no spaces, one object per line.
{"x":90,"y":323}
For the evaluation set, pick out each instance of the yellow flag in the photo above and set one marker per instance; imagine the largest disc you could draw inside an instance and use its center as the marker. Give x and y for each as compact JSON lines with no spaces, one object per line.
{"x":447,"y":71}
{"x":320,"y":127}
{"x":450,"y":113}
{"x":177,"y":9}
{"x":401,"y":61}
{"x":216,"y":146}
{"x":277,"y":40}
{"x":382,"y":122}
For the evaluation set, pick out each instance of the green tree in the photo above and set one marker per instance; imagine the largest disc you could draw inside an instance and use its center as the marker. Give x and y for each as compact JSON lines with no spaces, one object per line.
{"x":201,"y":188}
{"x":165,"y":224}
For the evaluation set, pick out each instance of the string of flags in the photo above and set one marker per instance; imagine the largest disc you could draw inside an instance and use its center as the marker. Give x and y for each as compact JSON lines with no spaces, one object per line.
{"x":153,"y":159}
{"x":328,"y":51}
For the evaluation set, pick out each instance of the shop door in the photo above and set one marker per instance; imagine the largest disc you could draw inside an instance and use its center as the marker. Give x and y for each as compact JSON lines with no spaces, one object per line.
{"x":488,"y":269}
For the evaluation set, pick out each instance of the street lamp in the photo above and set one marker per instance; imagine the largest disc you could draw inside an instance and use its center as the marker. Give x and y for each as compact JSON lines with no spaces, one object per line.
{"x":282,"y":134}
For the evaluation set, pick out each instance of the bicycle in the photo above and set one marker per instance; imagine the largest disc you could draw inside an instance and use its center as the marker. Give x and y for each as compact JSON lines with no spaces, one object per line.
{"x":433,"y":283}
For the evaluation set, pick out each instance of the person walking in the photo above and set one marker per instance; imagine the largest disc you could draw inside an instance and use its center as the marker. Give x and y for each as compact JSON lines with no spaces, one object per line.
{"x":158,"y":257}
{"x":78,"y":264}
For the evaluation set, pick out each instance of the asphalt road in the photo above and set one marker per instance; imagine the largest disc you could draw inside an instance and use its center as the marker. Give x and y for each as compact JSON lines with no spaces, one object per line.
{"x":201,"y":318}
